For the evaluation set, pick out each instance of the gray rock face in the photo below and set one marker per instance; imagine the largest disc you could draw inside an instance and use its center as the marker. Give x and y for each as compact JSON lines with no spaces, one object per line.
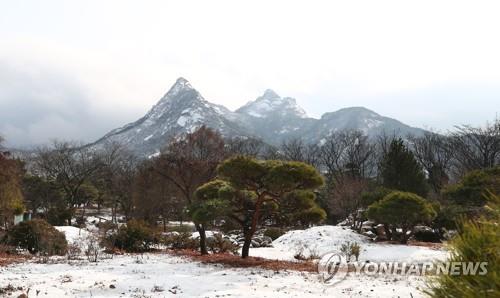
{"x":270,"y":117}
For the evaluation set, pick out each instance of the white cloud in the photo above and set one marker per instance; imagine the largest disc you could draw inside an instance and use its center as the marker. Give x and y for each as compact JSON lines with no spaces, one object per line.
{"x":123,"y":55}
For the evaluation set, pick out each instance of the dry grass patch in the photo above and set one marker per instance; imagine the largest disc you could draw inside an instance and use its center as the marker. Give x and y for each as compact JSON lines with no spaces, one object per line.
{"x":231,"y":260}
{"x":7,"y":259}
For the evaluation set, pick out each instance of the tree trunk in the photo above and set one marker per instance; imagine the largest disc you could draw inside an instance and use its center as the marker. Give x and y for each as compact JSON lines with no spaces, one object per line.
{"x":405,"y":237}
{"x":203,"y":239}
{"x":388,"y":232}
{"x":247,"y":234}
{"x":113,"y":212}
{"x":246,"y":247}
{"x":249,"y":231}
{"x":83,"y":212}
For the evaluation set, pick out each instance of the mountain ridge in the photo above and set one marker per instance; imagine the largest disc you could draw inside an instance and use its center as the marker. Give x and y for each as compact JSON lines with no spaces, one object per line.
{"x":270,"y":117}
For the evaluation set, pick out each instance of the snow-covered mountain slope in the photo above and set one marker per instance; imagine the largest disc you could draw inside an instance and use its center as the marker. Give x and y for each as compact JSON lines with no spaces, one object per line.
{"x":273,"y":118}
{"x":357,"y":118}
{"x":271,"y":104}
{"x":181,"y":110}
{"x":270,"y":117}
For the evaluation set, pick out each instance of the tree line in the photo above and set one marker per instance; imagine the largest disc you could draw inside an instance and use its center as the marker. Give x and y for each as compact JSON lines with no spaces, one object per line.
{"x":243,"y":181}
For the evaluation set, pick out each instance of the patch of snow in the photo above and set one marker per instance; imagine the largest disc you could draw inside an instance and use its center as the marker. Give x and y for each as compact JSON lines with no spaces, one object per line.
{"x":182,"y":120}
{"x":75,"y":235}
{"x":372,"y":123}
{"x":156,"y":154}
{"x":148,"y":137}
{"x":323,"y":239}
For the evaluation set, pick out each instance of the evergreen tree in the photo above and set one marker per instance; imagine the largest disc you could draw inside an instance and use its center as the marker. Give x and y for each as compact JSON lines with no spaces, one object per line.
{"x":247,"y":188}
{"x":401,"y":210}
{"x":477,"y":241}
{"x":473,"y":187}
{"x":11,"y":198}
{"x":400,"y":170}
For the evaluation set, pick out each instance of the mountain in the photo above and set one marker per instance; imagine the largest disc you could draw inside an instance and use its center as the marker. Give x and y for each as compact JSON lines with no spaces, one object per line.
{"x":270,"y":117}
{"x":181,"y":110}
{"x":358,"y":118}
{"x":274,"y":119}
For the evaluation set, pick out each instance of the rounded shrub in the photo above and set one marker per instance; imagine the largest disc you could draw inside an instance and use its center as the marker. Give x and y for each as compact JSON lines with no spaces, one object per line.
{"x":274,"y":233}
{"x":37,"y":236}
{"x":136,"y":236}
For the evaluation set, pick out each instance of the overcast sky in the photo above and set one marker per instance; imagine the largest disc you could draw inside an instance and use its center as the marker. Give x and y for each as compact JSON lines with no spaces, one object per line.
{"x":77,"y":69}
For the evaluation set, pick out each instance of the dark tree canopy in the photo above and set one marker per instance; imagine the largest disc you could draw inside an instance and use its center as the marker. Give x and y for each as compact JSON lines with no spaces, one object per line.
{"x":246,"y":187}
{"x":474,"y":186}
{"x":400,"y":170}
{"x":402,"y":210}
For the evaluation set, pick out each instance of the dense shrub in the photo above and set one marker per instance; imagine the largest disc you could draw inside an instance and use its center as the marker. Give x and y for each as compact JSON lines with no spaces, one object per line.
{"x":219,"y":244}
{"x":7,"y":249}
{"x":477,"y":241}
{"x":183,"y":240}
{"x":473,"y":187}
{"x":401,"y":210}
{"x":427,"y":236}
{"x":370,"y":197}
{"x":58,"y":216}
{"x":135,"y":236}
{"x":38,"y":236}
{"x":274,"y":233}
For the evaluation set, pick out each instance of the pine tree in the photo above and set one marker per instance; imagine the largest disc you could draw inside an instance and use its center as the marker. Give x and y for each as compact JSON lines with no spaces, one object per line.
{"x":247,"y":188}
{"x":477,"y":241}
{"x":401,"y":210}
{"x":400,"y":170}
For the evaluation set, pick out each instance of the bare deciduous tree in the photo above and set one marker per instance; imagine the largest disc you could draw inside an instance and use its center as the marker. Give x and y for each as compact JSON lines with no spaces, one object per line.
{"x":297,"y":150}
{"x":476,"y":147}
{"x":244,"y":146}
{"x":434,"y":153}
{"x":155,"y":197}
{"x":189,"y":162}
{"x":70,"y":165}
{"x":344,"y":198}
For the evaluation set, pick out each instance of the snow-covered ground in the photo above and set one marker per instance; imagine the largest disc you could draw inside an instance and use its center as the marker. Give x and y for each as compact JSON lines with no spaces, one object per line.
{"x":323,"y":239}
{"x":73,"y":235}
{"x":163,"y":275}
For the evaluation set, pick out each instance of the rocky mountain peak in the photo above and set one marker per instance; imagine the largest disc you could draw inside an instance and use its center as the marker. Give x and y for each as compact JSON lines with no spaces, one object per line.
{"x":270,"y":104}
{"x":269,"y":94}
{"x":180,"y":86}
{"x":270,"y":117}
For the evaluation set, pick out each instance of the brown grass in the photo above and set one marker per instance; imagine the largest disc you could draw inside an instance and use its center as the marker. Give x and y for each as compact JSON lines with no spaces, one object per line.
{"x":230,"y":260}
{"x":7,"y":259}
